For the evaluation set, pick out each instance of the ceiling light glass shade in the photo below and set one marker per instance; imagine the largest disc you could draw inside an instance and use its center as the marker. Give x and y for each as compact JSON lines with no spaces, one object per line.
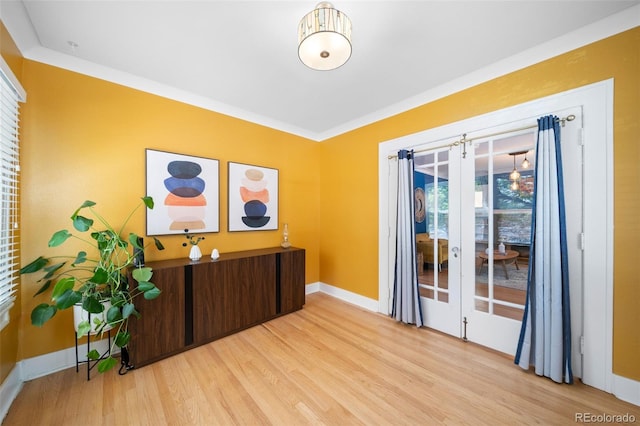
{"x":514,"y":186}
{"x":515,"y":175}
{"x":525,"y":163}
{"x":324,"y":38}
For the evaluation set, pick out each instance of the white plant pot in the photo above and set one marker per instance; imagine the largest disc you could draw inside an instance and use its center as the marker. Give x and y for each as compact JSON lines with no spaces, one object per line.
{"x":195,"y":253}
{"x":80,"y":315}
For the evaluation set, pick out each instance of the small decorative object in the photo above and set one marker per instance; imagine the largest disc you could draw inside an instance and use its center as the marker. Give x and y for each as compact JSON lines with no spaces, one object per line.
{"x":420,"y":209}
{"x":194,"y":253}
{"x":501,"y":248}
{"x":215,"y":255}
{"x":285,"y":237}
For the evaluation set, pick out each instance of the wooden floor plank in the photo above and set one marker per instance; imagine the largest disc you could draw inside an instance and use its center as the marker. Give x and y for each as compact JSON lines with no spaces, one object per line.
{"x":331,"y":363}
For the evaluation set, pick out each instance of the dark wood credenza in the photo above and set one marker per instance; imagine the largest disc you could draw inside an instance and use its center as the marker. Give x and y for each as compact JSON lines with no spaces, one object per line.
{"x":205,"y":300}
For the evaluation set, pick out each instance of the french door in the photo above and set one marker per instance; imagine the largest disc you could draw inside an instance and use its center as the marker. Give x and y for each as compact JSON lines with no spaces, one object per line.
{"x":437,"y":173}
{"x":589,"y":224}
{"x":474,"y":240}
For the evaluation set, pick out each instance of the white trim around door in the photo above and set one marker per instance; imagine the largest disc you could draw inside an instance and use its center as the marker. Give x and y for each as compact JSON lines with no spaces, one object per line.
{"x":596,"y":101}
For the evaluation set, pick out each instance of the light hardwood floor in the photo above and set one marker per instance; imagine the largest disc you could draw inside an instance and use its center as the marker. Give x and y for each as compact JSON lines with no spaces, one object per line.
{"x":330,"y":363}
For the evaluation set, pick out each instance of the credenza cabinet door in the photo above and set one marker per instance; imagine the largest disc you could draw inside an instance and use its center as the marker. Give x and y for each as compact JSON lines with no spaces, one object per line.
{"x":232,"y":294}
{"x":292,"y":288}
{"x":161,"y":328}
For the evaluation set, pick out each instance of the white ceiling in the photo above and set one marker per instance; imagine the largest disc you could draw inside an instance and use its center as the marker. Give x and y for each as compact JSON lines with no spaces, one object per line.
{"x":240,"y":57}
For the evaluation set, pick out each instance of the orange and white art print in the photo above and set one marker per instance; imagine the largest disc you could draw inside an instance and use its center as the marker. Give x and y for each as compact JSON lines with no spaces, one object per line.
{"x":253,"y":197}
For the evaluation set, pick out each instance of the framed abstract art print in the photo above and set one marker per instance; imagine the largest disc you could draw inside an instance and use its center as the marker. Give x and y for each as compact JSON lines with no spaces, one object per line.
{"x":253,"y":198}
{"x":185,"y":191}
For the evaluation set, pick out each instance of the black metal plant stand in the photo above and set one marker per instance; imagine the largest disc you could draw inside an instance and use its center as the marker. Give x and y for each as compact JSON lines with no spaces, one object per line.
{"x":91,"y":362}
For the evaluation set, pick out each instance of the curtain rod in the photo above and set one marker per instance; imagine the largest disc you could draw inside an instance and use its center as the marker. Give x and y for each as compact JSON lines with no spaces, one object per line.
{"x":464,"y":139}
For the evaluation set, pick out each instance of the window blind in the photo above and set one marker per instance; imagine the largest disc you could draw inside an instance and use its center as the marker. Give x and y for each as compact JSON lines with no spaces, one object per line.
{"x":10,"y":96}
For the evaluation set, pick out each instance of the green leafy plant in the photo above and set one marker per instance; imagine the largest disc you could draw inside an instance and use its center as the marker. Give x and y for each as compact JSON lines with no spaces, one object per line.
{"x":92,"y":278}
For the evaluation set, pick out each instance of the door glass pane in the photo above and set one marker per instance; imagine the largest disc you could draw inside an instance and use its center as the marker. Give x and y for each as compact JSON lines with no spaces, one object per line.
{"x":503,"y":201}
{"x":432,"y":233}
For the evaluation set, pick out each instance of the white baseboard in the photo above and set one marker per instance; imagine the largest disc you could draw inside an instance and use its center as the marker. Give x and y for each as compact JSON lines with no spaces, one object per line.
{"x":626,"y":389}
{"x":344,"y":295}
{"x":39,"y":366}
{"x":9,"y":390}
{"x":312,"y":288}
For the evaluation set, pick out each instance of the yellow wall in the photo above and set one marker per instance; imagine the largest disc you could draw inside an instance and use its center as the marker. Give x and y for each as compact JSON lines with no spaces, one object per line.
{"x":9,"y":334}
{"x":349,"y":173}
{"x":74,"y":126}
{"x":84,"y":138}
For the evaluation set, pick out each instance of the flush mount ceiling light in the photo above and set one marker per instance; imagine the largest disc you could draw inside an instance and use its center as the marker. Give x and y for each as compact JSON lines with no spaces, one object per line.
{"x":324,"y":38}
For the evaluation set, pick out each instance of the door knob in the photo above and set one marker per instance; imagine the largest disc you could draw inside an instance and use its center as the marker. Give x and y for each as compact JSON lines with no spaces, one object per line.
{"x":455,"y":251}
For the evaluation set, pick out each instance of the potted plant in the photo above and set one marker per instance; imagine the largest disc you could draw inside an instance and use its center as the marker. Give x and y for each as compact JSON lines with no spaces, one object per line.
{"x":194,"y":253}
{"x":92,"y":278}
